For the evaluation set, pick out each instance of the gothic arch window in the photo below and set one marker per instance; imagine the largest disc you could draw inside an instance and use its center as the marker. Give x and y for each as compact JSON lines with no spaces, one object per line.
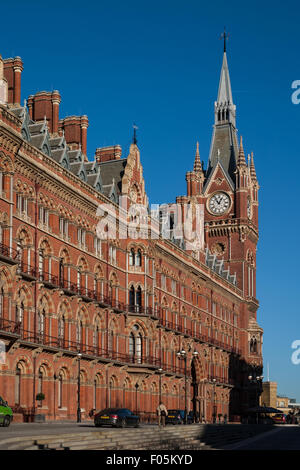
{"x":136,"y":345}
{"x":139,"y":298}
{"x":139,"y":258}
{"x":132,"y":296}
{"x":131,"y":257}
{"x":20,"y":313}
{"x":131,"y":345}
{"x":41,"y":322}
{"x":61,"y":327}
{"x":79,"y":328}
{"x":96,"y":334}
{"x":253,"y":345}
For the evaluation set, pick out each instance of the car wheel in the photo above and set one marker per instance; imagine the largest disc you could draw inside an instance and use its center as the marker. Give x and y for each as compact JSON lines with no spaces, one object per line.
{"x":6,"y":421}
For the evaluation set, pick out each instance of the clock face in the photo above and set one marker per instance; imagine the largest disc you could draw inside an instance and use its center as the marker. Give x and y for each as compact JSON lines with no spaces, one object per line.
{"x":219,"y":203}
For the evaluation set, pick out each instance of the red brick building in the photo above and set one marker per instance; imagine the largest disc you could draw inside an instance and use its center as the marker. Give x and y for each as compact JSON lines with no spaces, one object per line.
{"x":126,"y":305}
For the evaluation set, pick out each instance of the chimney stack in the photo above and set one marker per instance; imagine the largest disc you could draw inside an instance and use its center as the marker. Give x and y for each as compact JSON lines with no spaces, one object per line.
{"x":75,"y":129}
{"x":12,"y":72}
{"x":45,"y":103}
{"x":105,"y":154}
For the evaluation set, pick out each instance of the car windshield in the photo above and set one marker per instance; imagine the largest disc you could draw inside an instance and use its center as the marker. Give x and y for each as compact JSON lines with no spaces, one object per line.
{"x":108,"y":411}
{"x":124,"y":411}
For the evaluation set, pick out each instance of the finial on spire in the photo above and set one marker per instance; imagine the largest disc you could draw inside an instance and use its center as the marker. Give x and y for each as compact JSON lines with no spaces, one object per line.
{"x":135,"y":127}
{"x":224,"y":36}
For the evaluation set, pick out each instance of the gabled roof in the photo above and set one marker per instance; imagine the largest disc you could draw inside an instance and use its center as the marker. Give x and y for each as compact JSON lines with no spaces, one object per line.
{"x":212,"y":173}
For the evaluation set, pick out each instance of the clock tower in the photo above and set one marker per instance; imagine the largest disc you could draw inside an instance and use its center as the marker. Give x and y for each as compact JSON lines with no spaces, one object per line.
{"x":228,"y":190}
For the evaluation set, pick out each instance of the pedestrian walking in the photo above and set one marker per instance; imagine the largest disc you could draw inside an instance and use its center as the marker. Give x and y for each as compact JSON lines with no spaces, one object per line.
{"x":162,"y":412}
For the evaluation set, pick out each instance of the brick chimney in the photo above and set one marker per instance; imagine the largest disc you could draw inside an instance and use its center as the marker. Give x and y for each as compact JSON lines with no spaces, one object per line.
{"x":45,"y":103}
{"x":75,"y":129}
{"x":105,"y":154}
{"x":12,"y":72}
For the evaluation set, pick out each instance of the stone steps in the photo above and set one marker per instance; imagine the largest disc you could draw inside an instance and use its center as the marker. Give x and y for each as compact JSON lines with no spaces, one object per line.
{"x":195,"y":436}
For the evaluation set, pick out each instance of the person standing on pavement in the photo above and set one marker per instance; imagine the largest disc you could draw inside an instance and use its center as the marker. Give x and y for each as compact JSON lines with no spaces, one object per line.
{"x":162,"y":412}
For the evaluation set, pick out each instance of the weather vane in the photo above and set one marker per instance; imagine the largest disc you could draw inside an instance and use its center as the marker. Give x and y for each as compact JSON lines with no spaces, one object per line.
{"x":225,"y":36}
{"x":135,"y":127}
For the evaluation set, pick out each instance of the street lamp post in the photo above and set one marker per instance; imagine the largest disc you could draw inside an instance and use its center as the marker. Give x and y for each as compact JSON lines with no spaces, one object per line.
{"x":136,"y":390}
{"x":214,"y":410}
{"x":257,"y":380}
{"x":160,"y":373}
{"x":182,"y":355}
{"x":78,"y":389}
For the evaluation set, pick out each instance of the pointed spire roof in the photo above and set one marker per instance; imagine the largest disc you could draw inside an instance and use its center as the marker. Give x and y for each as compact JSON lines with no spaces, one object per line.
{"x":224,"y":144}
{"x":252,"y":168}
{"x":224,"y":92}
{"x":197,"y":163}
{"x":241,"y":158}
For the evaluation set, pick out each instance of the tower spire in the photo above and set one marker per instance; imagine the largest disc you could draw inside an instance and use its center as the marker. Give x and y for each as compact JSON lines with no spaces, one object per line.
{"x":241,"y":158}
{"x":252,"y":169}
{"x":197,"y":163}
{"x":224,"y":136}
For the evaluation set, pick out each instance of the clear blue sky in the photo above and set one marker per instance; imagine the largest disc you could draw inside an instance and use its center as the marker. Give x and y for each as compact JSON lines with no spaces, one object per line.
{"x":157,"y":63}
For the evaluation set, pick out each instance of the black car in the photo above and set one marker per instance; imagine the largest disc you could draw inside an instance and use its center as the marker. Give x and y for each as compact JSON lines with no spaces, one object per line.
{"x":117,"y":417}
{"x":177,"y":417}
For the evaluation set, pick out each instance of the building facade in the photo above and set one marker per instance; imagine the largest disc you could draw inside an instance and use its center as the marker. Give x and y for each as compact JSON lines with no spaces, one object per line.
{"x":107,"y":316}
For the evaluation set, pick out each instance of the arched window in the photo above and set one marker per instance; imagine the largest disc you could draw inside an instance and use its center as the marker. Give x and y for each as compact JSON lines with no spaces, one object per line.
{"x":131,"y":296}
{"x":131,"y":257}
{"x":79,"y":279}
{"x":40,"y":385}
{"x":138,"y":258}
{"x":79,"y":331}
{"x":96,"y":337}
{"x":253,"y":345}
{"x":20,"y":313}
{"x":139,"y":298}
{"x":136,"y":345}
{"x":131,"y":345}
{"x":61,"y":327}
{"x":139,"y":348}
{"x":41,"y":263}
{"x":41,"y":322}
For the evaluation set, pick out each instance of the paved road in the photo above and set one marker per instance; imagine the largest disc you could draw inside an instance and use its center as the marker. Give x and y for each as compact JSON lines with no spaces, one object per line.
{"x":282,"y":437}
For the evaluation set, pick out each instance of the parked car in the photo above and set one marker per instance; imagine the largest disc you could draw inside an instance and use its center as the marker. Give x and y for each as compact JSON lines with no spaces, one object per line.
{"x":117,"y":417}
{"x":6,"y":414}
{"x":177,"y":417}
{"x":279,"y":418}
